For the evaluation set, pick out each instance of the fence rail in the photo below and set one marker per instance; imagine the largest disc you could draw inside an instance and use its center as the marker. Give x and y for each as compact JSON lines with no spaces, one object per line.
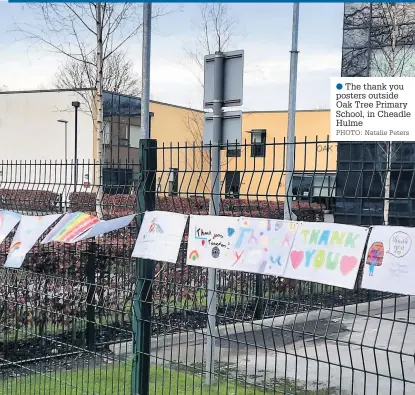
{"x":67,"y":318}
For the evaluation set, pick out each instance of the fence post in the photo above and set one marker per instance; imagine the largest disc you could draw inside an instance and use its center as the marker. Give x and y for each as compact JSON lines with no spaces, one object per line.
{"x":90,"y":308}
{"x":142,"y":301}
{"x":259,"y":293}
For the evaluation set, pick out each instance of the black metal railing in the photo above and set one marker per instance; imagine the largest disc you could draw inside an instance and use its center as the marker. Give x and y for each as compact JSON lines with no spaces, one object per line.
{"x":66,"y":322}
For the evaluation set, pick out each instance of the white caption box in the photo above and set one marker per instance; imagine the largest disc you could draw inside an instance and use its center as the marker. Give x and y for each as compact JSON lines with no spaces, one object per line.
{"x":372,"y":109}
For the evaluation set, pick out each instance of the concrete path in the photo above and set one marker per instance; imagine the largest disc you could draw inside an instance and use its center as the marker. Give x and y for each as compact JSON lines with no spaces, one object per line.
{"x":365,"y":349}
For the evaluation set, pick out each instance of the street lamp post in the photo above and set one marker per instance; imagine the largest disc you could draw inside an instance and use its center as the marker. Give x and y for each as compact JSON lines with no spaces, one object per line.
{"x":66,"y":137}
{"x":65,"y":122}
{"x":76,"y":105}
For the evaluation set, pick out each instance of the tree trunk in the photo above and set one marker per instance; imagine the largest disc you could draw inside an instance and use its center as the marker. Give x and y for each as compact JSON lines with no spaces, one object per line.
{"x":99,"y":112}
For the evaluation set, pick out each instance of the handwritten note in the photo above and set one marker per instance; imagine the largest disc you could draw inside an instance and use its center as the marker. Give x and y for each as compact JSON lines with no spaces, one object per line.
{"x":160,"y":236}
{"x":8,"y":220}
{"x":210,"y":241}
{"x":389,"y":261}
{"x":263,"y":245}
{"x":327,"y":253}
{"x":28,"y":232}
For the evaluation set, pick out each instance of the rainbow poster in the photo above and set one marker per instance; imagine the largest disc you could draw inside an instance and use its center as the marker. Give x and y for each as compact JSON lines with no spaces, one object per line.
{"x":160,"y":236}
{"x":102,"y":227}
{"x":8,"y":220}
{"x":28,"y":232}
{"x":70,"y":227}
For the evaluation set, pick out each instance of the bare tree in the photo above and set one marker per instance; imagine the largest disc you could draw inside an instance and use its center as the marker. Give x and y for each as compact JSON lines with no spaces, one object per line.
{"x":118,"y":77}
{"x":391,"y":55}
{"x":89,"y":34}
{"x":216,"y":27}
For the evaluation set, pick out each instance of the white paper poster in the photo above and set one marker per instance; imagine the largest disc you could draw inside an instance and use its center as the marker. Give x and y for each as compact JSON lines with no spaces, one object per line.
{"x":70,"y":227}
{"x":28,"y":232}
{"x":105,"y":227}
{"x":327,"y":253}
{"x":8,"y":220}
{"x":210,"y":242}
{"x":263,"y":245}
{"x":160,"y":236}
{"x":390,"y":260}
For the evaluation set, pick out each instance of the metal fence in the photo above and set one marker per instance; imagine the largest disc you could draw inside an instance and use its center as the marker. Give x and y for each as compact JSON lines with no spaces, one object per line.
{"x":68,"y":316}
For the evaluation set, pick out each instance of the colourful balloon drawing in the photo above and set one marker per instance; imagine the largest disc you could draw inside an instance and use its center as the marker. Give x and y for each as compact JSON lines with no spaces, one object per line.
{"x":194,"y":255}
{"x":155,"y":227}
{"x":231,"y":231}
{"x":15,"y":247}
{"x":375,"y":256}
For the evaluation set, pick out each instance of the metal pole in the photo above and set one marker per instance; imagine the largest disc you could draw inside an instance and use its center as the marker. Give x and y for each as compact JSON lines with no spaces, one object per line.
{"x":66,"y":165}
{"x":66,"y":142}
{"x":76,"y":149}
{"x":288,"y":214}
{"x":214,"y":210}
{"x":142,"y":300}
{"x":145,"y":77}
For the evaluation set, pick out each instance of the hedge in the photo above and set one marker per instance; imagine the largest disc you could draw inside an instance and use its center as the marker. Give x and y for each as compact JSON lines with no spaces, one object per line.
{"x":119,"y":205}
{"x":29,"y":200}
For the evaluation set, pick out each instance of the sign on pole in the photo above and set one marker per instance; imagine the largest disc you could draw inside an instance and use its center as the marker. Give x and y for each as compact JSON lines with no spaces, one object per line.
{"x":223,"y":88}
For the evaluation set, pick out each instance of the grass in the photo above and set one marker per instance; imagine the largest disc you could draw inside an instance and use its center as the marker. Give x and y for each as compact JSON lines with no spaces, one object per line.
{"x":115,"y":379}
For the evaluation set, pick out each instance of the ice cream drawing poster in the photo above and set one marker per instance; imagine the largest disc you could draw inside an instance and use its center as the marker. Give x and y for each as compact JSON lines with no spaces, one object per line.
{"x":263,"y":245}
{"x":160,"y":236}
{"x":70,"y":227}
{"x":327,"y":253}
{"x":210,"y":241}
{"x":28,"y":232}
{"x":389,"y":262}
{"x":8,"y":221}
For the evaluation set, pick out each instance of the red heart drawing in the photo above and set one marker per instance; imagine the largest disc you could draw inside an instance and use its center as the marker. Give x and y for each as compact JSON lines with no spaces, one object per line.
{"x":296,"y":258}
{"x":347,"y":264}
{"x":203,"y":242}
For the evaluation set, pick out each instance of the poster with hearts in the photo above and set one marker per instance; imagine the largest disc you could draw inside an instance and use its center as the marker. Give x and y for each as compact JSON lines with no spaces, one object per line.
{"x":327,"y":253}
{"x":389,"y":262}
{"x":263,"y":245}
{"x":210,"y":241}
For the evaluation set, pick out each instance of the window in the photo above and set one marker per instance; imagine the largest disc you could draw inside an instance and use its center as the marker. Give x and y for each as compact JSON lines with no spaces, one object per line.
{"x":232,"y":184}
{"x":117,"y":180}
{"x":123,"y":135}
{"x":135,"y":132}
{"x":258,"y":138}
{"x":173,"y":181}
{"x":107,"y":133}
{"x":301,"y":186}
{"x":233,"y":151}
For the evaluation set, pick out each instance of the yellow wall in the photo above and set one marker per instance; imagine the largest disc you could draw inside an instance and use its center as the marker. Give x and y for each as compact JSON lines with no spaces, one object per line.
{"x":313,"y":153}
{"x":176,"y":130}
{"x":177,"y":126}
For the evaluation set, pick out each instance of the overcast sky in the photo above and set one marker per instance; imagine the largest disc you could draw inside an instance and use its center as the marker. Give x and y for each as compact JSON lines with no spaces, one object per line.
{"x":263,"y":31}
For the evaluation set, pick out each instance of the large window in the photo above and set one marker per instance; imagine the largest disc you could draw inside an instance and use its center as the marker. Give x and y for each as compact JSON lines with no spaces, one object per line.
{"x":369,"y":30}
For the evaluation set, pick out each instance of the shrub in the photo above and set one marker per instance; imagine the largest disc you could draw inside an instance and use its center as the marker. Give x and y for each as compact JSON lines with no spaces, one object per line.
{"x":29,"y":200}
